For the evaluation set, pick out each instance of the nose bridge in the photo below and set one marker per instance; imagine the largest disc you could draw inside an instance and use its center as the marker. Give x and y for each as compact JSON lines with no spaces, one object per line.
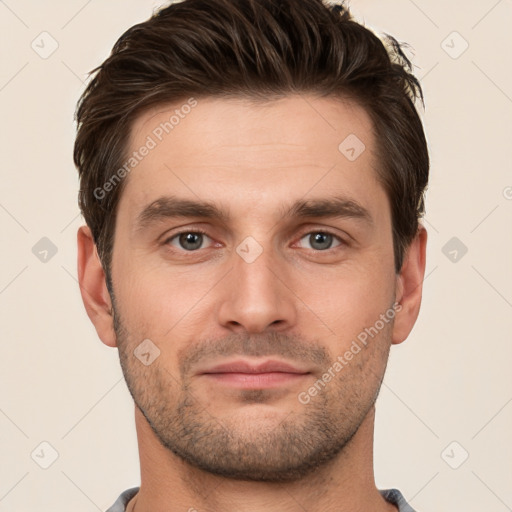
{"x":256,"y":298}
{"x":255,"y":269}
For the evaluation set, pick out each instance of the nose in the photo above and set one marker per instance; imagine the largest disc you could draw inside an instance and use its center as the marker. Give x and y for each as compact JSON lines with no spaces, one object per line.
{"x":256,"y":297}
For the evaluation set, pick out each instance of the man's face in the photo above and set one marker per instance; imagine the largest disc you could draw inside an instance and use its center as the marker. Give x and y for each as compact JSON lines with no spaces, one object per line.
{"x":280,"y":278}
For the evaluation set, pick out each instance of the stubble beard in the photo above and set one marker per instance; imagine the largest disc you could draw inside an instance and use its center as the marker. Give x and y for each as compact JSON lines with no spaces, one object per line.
{"x":280,"y":450}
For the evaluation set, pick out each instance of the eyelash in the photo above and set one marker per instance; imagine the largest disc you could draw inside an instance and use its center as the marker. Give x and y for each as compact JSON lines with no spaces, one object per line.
{"x":202,"y":232}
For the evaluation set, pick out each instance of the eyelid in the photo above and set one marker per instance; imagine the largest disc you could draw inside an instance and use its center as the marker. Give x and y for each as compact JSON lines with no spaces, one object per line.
{"x":165,"y":237}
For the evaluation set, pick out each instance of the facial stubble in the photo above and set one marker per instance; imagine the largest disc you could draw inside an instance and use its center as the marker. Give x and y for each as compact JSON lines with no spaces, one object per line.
{"x":274,"y":448}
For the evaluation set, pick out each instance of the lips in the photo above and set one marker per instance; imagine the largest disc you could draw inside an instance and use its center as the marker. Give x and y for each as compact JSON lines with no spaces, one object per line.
{"x":246,"y":367}
{"x":250,"y":375}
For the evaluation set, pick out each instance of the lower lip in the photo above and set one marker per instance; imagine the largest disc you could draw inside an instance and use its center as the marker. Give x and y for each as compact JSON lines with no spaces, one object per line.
{"x":256,"y":380}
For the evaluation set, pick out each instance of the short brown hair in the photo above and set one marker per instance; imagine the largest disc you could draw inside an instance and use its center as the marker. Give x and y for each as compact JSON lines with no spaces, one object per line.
{"x":259,"y":49}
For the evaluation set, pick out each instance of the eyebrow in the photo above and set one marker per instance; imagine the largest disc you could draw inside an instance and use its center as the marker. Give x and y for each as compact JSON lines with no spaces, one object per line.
{"x":333,"y":207}
{"x":174,"y":207}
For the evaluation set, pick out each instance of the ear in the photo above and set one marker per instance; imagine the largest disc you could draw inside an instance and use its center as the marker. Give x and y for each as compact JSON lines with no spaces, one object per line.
{"x":409,"y":286}
{"x":93,"y":287}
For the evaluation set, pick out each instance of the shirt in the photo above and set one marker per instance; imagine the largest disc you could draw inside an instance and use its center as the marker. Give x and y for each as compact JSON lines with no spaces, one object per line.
{"x":394,"y":496}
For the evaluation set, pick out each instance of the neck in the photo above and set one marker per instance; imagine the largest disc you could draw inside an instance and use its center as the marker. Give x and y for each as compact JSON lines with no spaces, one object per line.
{"x":171,"y":485}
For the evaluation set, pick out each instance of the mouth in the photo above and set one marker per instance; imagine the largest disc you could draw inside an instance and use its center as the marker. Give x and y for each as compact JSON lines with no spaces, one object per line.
{"x":246,"y":375}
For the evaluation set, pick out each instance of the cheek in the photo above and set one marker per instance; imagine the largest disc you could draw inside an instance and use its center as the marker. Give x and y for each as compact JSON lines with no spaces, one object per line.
{"x":158,"y":302}
{"x":353,"y":300}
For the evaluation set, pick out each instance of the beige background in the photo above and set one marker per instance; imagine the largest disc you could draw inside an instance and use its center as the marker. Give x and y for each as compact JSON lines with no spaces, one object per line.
{"x":451,"y":381}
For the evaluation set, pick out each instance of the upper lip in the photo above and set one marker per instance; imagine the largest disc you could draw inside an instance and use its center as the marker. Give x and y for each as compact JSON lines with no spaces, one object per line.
{"x":242,"y":366}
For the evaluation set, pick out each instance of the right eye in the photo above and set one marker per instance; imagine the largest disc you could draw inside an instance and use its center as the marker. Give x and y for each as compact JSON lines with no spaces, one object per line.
{"x":188,"y":240}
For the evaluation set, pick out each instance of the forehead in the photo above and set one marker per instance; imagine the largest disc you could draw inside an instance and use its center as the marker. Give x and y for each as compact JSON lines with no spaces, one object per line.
{"x":238,"y":151}
{"x":300,"y":121}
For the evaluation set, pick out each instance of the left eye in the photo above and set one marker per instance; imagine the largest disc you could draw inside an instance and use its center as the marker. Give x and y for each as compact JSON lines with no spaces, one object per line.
{"x":190,"y":240}
{"x":320,"y":240}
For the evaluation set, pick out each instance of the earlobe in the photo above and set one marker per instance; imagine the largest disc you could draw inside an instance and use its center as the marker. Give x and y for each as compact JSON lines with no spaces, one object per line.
{"x":409,"y":286}
{"x":93,"y":287}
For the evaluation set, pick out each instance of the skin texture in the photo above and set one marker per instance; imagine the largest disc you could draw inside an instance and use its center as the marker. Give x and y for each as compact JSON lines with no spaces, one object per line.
{"x":209,"y":445}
